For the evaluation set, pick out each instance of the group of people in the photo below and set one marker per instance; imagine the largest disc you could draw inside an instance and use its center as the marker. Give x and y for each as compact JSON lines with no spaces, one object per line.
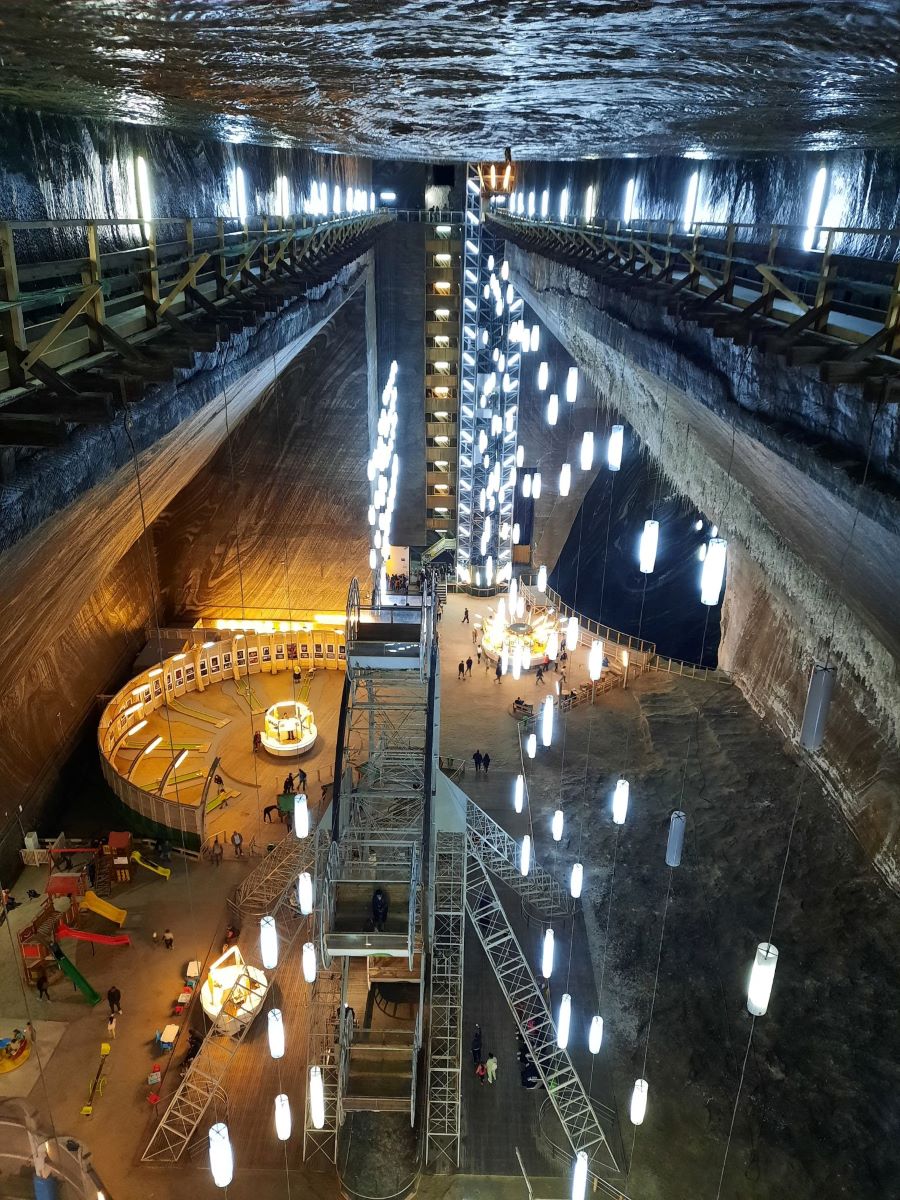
{"x":398,"y":584}
{"x":481,"y":761}
{"x":485,"y":1069}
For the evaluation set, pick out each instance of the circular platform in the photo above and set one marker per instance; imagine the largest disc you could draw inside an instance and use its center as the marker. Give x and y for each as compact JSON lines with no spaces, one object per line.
{"x":289,"y":729}
{"x":235,"y":987}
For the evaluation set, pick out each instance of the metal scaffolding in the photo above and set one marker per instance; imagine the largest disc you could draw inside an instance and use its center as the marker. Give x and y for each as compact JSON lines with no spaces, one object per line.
{"x":322,"y":1046}
{"x":445,"y":1002}
{"x":500,"y":854}
{"x":526,"y":1001}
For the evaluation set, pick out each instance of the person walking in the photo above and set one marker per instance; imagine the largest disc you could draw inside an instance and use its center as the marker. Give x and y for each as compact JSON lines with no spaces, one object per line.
{"x":217,"y":851}
{"x":238,"y":842}
{"x":539,"y":676}
{"x":478,"y":655}
{"x":219,"y":782}
{"x":462,"y":670}
{"x":29,"y":1029}
{"x":485,"y":762}
{"x":111,"y":1027}
{"x":480,"y":1072}
{"x":465,"y":620}
{"x":379,"y":909}
{"x":491,"y":1067}
{"x":477,"y":759}
{"x":288,"y":784}
{"x":499,"y":671}
{"x":41,"y":981}
{"x":168,"y":939}
{"x":114,"y":996}
{"x":469,"y":665}
{"x":476,"y":1046}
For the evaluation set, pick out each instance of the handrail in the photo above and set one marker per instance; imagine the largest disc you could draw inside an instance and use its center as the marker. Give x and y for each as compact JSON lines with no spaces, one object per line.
{"x":555,"y":601}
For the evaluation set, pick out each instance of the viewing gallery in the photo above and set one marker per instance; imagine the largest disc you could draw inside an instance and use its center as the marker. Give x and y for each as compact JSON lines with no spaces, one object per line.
{"x":449,"y":542}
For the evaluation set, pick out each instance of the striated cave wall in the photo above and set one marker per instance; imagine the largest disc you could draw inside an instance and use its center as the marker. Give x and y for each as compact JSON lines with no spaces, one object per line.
{"x":277,"y":519}
{"x":823,"y":551}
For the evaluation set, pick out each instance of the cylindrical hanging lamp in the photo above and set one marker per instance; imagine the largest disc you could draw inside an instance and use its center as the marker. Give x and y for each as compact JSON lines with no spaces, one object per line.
{"x":282,"y":1117}
{"x":818,"y":702}
{"x":268,"y":942}
{"x":639,"y":1101}
{"x":542,"y":578}
{"x":580,"y":1175}
{"x":309,"y":962}
{"x":531,"y":745}
{"x":675,"y":843}
{"x":565,"y":478}
{"x":305,"y":893}
{"x":547,"y":954}
{"x":586,"y":456}
{"x":543,"y":376}
{"x":762,"y":976}
{"x":547,"y":721}
{"x":649,"y":543}
{"x":564,"y":1021}
{"x":571,"y":633}
{"x":576,"y":880}
{"x":525,"y":855}
{"x":316,"y":1097}
{"x":595,"y":1035}
{"x":552,"y":408}
{"x":301,"y":816}
{"x":595,"y":661}
{"x":712,"y":575}
{"x":556,"y":825}
{"x":221,"y":1156}
{"x":572,"y":385}
{"x":614,"y":447}
{"x":519,"y":793}
{"x":620,"y":802}
{"x":536,"y":486}
{"x":275,"y":1031}
{"x":553,"y":645}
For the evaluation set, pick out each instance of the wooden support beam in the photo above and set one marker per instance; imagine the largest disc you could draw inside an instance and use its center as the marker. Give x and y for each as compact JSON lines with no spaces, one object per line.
{"x":222,"y":314}
{"x":12,"y":323}
{"x":86,"y":409}
{"x":187,"y":278}
{"x":22,"y":431}
{"x":242,"y":265}
{"x":64,"y":389}
{"x":778,"y":342}
{"x":189,"y":335}
{"x":135,"y":360}
{"x":61,"y":324}
{"x":769,"y":275}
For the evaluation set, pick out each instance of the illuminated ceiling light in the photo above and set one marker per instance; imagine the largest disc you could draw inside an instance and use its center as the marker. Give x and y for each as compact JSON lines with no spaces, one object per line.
{"x":713,"y":573}
{"x":531,"y":745}
{"x":151,"y":745}
{"x":579,"y":1176}
{"x":571,"y":633}
{"x":525,"y":855}
{"x":572,"y":385}
{"x":305,"y":893}
{"x":595,"y":1036}
{"x":614,"y":448}
{"x":542,"y":578}
{"x":309,"y":962}
{"x":239,"y":198}
{"x":543,"y":376}
{"x":762,"y":976}
{"x":547,"y":721}
{"x":698,"y":524}
{"x":535,"y":339}
{"x":595,"y":661}
{"x":545,"y":202}
{"x":547,"y":954}
{"x":565,"y":479}
{"x":639,"y":1101}
{"x":336,"y":200}
{"x":516,"y":533}
{"x":690,"y":201}
{"x":586,"y":456}
{"x":564,"y":1021}
{"x":675,"y":842}
{"x":713,"y":531}
{"x":531,"y":204}
{"x":536,"y":485}
{"x":553,"y":645}
{"x":387,"y":197}
{"x":221,"y":1155}
{"x":558,"y":822}
{"x":526,"y":486}
{"x":818,"y":701}
{"x":520,"y":456}
{"x":373,"y":558}
{"x":282,"y":1117}
{"x":519,"y":793}
{"x":563,"y":204}
{"x":620,"y":802}
{"x":276,"y":1033}
{"x":135,"y":728}
{"x":576,"y":880}
{"x":301,"y":816}
{"x":589,"y":205}
{"x":282,"y":196}
{"x":552,"y":408}
{"x":316,"y":1097}
{"x":628,"y":205}
{"x":268,"y":942}
{"x":145,"y":198}
{"x":648,"y":546}
{"x":814,"y":212}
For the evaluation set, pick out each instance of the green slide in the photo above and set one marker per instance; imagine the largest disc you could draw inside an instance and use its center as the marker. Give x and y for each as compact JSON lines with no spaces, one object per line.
{"x":71,"y":972}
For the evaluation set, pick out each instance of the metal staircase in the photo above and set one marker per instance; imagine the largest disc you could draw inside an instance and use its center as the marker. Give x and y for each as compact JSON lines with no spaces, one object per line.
{"x":500,"y":854}
{"x":322,"y":1052}
{"x":445,"y":1003}
{"x":571,"y":1102}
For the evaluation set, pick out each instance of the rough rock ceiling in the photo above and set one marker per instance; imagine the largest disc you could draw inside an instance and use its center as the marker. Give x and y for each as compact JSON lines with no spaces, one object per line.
{"x":463,"y":78}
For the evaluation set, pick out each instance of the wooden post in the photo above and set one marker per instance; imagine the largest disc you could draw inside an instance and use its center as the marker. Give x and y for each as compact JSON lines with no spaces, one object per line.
{"x":825,"y":287}
{"x":220,"y":258}
{"x":669,"y":233}
{"x":151,"y":277}
{"x":12,"y":324}
{"x":91,"y":274}
{"x":264,"y":263}
{"x":892,"y":317}
{"x":189,"y":240}
{"x":728,"y":274}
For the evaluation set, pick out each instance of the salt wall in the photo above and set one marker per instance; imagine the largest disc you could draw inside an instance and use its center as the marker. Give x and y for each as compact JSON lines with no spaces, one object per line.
{"x":703,"y":408}
{"x":277,"y":518}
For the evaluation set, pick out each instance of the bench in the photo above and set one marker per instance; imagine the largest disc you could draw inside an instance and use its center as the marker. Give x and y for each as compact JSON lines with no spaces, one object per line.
{"x":521,"y":711}
{"x":221,"y":799}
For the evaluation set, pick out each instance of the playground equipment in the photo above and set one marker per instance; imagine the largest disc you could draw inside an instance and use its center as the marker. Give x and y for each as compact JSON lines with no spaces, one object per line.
{"x":82,"y":935}
{"x":96,"y":1088}
{"x":71,"y":972}
{"x":91,"y":901}
{"x":136,"y":858}
{"x":14,"y":1051}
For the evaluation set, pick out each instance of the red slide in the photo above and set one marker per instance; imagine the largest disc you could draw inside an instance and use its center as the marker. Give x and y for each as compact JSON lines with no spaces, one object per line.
{"x":116,"y":939}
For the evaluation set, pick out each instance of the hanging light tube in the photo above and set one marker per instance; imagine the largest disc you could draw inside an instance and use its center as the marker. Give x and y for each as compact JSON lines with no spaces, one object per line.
{"x":675,"y":842}
{"x":565,"y":479}
{"x":576,"y":880}
{"x":564,"y":1021}
{"x":316,"y":1097}
{"x":519,"y":793}
{"x":282,"y":1117}
{"x":221,"y":1155}
{"x":525,"y":855}
{"x":571,"y":633}
{"x":552,"y":408}
{"x":579,"y":1176}
{"x":268,"y":942}
{"x":542,"y":578}
{"x":595,"y":1035}
{"x":543,"y":376}
{"x":275,"y":1031}
{"x":762,"y":976}
{"x":586,"y":456}
{"x":620,"y":802}
{"x":595,"y":660}
{"x":547,"y":954}
{"x":614,"y":447}
{"x":309,"y":962}
{"x":305,"y":893}
{"x":649,"y":543}
{"x":556,"y":825}
{"x":572,"y":385}
{"x":639,"y":1101}
{"x":547,"y":721}
{"x":713,"y":574}
{"x":818,"y":701}
{"x":301,"y":816}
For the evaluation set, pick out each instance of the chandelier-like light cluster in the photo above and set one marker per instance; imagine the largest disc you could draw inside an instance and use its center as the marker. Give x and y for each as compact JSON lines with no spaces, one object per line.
{"x":383,"y":469}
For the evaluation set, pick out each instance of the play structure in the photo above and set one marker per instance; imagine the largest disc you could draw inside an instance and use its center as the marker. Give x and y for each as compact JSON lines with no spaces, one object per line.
{"x":289,"y":728}
{"x":96,"y":1089}
{"x":165,"y":872}
{"x":14,"y":1051}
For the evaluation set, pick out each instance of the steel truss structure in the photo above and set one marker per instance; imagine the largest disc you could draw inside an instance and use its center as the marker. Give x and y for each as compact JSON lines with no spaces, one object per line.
{"x":445,"y":1002}
{"x":526,"y":1001}
{"x":488,"y":401}
{"x":322,"y":1045}
{"x":500,"y":854}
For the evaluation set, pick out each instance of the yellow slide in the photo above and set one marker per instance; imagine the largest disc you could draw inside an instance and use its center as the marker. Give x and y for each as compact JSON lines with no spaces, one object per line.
{"x":103,"y":908}
{"x":164,"y":871}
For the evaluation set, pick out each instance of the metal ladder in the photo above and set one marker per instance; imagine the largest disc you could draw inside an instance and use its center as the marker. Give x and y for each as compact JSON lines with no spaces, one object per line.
{"x":500,"y":854}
